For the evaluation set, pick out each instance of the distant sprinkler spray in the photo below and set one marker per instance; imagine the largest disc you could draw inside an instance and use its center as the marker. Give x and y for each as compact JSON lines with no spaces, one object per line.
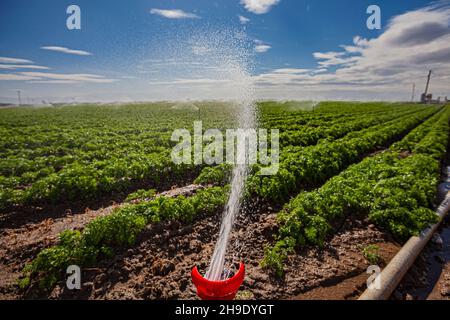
{"x":19,"y":98}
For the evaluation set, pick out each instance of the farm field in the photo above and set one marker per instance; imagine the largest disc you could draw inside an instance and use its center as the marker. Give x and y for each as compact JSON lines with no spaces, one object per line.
{"x":95,"y":186}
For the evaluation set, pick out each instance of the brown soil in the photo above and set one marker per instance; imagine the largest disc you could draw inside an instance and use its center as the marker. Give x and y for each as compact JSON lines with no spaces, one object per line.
{"x":350,"y":288}
{"x":441,"y":290}
{"x":159,"y":266}
{"x":429,"y":277}
{"x":18,"y":245}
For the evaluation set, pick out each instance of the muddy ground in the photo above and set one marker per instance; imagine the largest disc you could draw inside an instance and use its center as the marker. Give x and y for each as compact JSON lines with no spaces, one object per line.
{"x":159,"y":265}
{"x":429,"y":277}
{"x":20,"y":242}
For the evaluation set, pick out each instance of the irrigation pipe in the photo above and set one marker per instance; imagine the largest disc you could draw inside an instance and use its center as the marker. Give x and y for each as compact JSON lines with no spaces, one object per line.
{"x":394,"y":272}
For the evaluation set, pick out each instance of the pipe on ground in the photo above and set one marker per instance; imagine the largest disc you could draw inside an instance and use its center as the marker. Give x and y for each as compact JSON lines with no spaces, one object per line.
{"x":394,"y":272}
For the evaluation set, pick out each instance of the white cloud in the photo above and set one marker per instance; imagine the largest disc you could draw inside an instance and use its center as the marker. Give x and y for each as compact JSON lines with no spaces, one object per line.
{"x":22,"y":66}
{"x":15,"y":77}
{"x":334,"y":58}
{"x":321,"y":70}
{"x":14,"y":60}
{"x":82,"y":77}
{"x":44,"y":77}
{"x":66,"y":50}
{"x":259,"y":6}
{"x":53,"y":81}
{"x":291,"y":71}
{"x":243,"y":20}
{"x":360,"y":42}
{"x":380,"y":68}
{"x":205,"y":81}
{"x":261,"y":48}
{"x":174,"y":14}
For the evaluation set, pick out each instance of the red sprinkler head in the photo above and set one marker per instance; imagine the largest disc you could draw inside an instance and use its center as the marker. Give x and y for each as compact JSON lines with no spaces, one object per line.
{"x":218,"y":290}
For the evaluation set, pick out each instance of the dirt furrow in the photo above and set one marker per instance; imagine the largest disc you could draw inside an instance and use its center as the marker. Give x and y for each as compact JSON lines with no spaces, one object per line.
{"x":19,"y":245}
{"x":159,"y":266}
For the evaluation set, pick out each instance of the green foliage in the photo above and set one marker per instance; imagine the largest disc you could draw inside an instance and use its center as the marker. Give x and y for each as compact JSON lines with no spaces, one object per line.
{"x":430,"y":138}
{"x":51,"y":262}
{"x":371,"y":253}
{"x":274,"y":256}
{"x":313,"y":165}
{"x":337,"y":127}
{"x":141,"y":195}
{"x":72,"y":153}
{"x":218,"y":175}
{"x":120,"y":228}
{"x":68,"y":154}
{"x":395,"y":191}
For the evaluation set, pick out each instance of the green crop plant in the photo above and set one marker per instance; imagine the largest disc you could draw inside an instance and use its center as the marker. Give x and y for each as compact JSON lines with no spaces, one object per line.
{"x":371,"y":253}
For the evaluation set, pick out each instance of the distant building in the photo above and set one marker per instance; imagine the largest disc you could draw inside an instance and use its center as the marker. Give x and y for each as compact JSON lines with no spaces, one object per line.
{"x":426,"y":98}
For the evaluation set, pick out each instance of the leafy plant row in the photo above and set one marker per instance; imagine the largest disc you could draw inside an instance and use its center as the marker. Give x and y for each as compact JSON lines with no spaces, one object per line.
{"x":396,"y":192}
{"x":307,"y":136}
{"x":219,"y":175}
{"x":120,"y":228}
{"x":302,"y":167}
{"x":313,"y":165}
{"x":89,"y":181}
{"x":417,"y":134}
{"x":271,"y":111}
{"x":65,"y":154}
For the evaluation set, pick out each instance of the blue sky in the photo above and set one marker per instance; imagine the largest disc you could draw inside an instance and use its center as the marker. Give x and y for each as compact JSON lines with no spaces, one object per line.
{"x":146,"y":49}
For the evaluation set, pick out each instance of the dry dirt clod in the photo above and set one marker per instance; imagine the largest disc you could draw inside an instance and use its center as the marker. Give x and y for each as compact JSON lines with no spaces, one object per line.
{"x":162,"y":267}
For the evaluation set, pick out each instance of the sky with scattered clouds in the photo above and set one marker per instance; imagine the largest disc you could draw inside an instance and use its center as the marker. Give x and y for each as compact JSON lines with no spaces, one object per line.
{"x":143,"y":50}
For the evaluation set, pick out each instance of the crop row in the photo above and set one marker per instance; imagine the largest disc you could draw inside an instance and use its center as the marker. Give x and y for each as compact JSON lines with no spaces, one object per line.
{"x":394,"y":190}
{"x":89,"y":181}
{"x":311,"y":135}
{"x":102,"y":235}
{"x":435,"y":132}
{"x":119,"y":229}
{"x":313,"y":165}
{"x":304,"y":167}
{"x":81,"y":153}
{"x":271,"y":110}
{"x":52,"y":155}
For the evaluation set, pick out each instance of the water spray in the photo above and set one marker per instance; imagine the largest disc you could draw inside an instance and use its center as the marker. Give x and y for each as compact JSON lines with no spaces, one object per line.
{"x":216,"y":283}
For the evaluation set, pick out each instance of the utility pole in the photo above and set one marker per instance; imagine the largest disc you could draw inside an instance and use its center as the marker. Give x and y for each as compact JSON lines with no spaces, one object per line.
{"x":413,"y":92}
{"x":19,"y":98}
{"x":428,"y":83}
{"x":423,"y":97}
